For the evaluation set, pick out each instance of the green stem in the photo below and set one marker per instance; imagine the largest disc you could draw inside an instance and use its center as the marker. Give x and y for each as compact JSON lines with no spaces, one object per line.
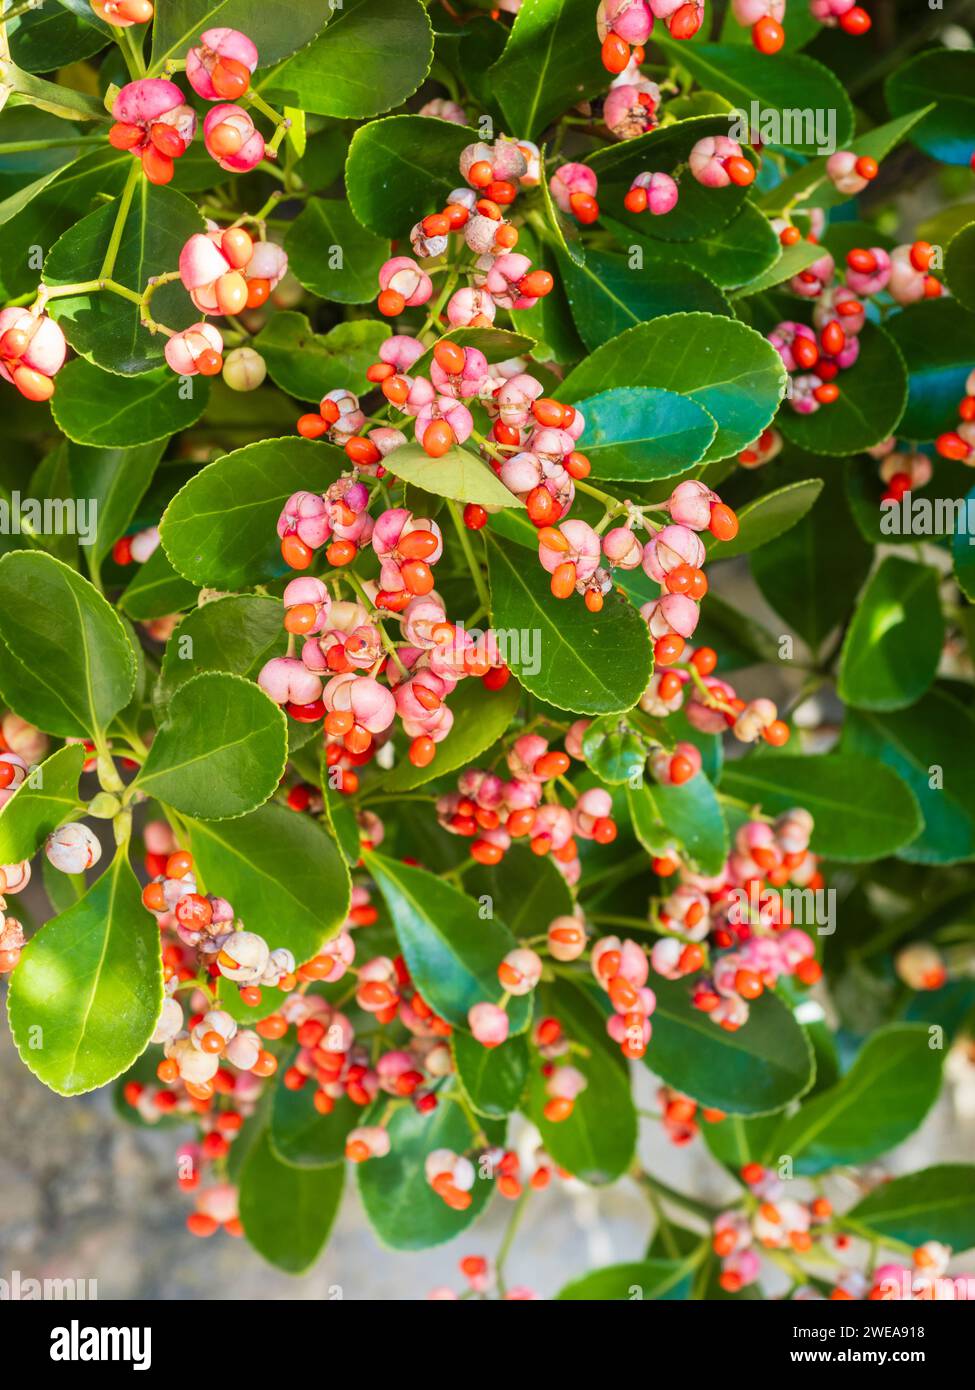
{"x":508,"y":1239}
{"x":124,"y":204}
{"x":22,"y":9}
{"x":132,"y":53}
{"x":58,"y":143}
{"x":484,"y":597}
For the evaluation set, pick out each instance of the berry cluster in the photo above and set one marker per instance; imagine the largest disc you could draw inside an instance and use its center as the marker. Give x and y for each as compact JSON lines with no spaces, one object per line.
{"x":958,"y":444}
{"x":32,"y":351}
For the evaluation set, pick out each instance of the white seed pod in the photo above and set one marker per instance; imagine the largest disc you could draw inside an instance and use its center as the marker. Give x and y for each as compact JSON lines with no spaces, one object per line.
{"x":244,"y":369}
{"x":14,"y":877}
{"x":280,"y":962}
{"x":216,"y":1021}
{"x":170,"y":1022}
{"x":195,"y":1066}
{"x":243,"y":957}
{"x":72,"y":848}
{"x":244,"y":1049}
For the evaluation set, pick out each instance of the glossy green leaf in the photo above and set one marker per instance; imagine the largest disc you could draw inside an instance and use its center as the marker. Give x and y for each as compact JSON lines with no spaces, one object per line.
{"x":100,"y":408}
{"x":220,"y":751}
{"x":44,"y":801}
{"x":219,"y":529}
{"x":545,"y":66}
{"x":372,"y":55}
{"x":690,"y":814}
{"x":84,"y":1000}
{"x":627,"y":1283}
{"x":862,"y":416}
{"x":931,"y":746}
{"x":812,"y":574}
{"x":737,"y":254}
{"x":721,"y":364}
{"x":402,"y":1207}
{"x":492,"y":1078}
{"x":580,"y":661}
{"x":636,"y":434}
{"x":936,"y":338}
{"x":615,"y":752}
{"x":458,"y":473}
{"x":526,"y":891}
{"x":333,"y":255}
{"x":945,"y":79}
{"x":879,"y":1102}
{"x":452,"y":951}
{"x":758,"y":1069}
{"x":893,"y":645}
{"x":700,"y":211}
{"x":103,"y":326}
{"x":744,"y":75}
{"x":43,"y":40}
{"x":607,"y":295}
{"x":862,"y":810}
{"x":597,"y":1141}
{"x":236,"y":633}
{"x":960,"y":266}
{"x":303,"y":1138}
{"x":278,"y":868}
{"x":287,"y":1212}
{"x":937,"y":1203}
{"x":114,"y":481}
{"x":307,"y":364}
{"x":790,"y":262}
{"x":46,"y":607}
{"x":767,"y":517}
{"x":156,"y":589}
{"x":179,"y":23}
{"x":399,"y":167}
{"x":481,"y":716}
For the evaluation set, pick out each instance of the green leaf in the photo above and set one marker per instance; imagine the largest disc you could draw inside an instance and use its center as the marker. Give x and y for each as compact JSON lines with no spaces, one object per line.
{"x":615,"y":752}
{"x":219,"y":529}
{"x":936,"y":338}
{"x":114,"y":481}
{"x":812,"y":573}
{"x":303,"y":1138}
{"x":156,"y":589}
{"x":287,"y":1212}
{"x":606,"y":295}
{"x":893,"y":645}
{"x":735,"y":1141}
{"x":458,"y":474}
{"x":932,"y":748}
{"x":737,"y":254}
{"x":103,"y":326}
{"x":399,"y":167}
{"x":721,"y":364}
{"x":579,"y":661}
{"x":638,"y":434}
{"x":372,"y":56}
{"x":61,"y":101}
{"x":549,"y":321}
{"x":862,"y":416}
{"x":963,"y":552}
{"x":221,"y":750}
{"x":179,"y":24}
{"x":236,"y":633}
{"x":492,"y":1078}
{"x":526,"y":892}
{"x":937,"y":1203}
{"x":45,"y":607}
{"x":945,"y":79}
{"x":624,"y":1283}
{"x":760,"y":1068}
{"x":402,"y":1207}
{"x":44,"y":801}
{"x":43,"y":40}
{"x":960,"y":266}
{"x":111,"y":412}
{"x":700,"y":211}
{"x":546,"y":65}
{"x":451,"y":951}
{"x":84,"y":1000}
{"x":597,"y":1142}
{"x":327,"y":232}
{"x":307,"y":364}
{"x":862,"y":810}
{"x":690,"y":814}
{"x":481,"y":716}
{"x":744,"y":75}
{"x":879,"y":1102}
{"x":277,"y":868}
{"x":790,"y":262}
{"x":767,"y":517}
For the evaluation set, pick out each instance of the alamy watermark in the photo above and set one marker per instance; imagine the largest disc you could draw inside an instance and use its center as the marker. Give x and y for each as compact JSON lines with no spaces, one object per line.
{"x":794,"y":127}
{"x":18,"y":1288}
{"x":802,"y":907}
{"x":928,"y":516}
{"x":49,"y":516}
